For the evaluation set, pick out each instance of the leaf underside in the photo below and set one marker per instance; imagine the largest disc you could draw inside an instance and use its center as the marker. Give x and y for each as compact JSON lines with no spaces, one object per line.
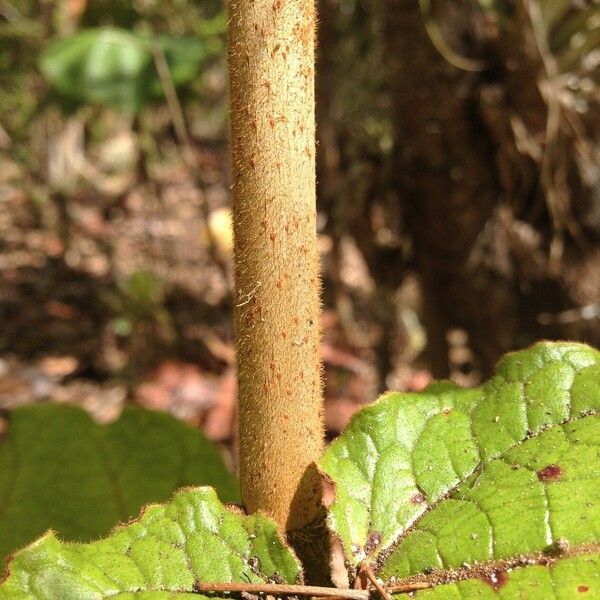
{"x":484,"y":493}
{"x":161,"y":556}
{"x":60,"y":470}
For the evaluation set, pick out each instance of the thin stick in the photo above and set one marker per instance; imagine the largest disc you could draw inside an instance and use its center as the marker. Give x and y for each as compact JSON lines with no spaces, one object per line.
{"x":404,"y":588}
{"x":188,"y":152}
{"x":283,"y":590}
{"x":441,"y":45}
{"x":371,"y":576}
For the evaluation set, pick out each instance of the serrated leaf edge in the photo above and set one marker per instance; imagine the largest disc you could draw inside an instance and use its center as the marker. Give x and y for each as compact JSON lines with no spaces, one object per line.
{"x":383,"y":551}
{"x":232,"y":508}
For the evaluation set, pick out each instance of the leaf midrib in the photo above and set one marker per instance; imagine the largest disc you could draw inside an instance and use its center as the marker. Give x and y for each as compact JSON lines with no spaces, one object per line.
{"x":383,"y":552}
{"x":488,"y":568}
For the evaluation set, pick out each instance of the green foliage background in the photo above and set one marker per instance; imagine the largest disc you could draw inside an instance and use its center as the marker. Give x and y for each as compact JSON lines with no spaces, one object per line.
{"x":59,"y":470}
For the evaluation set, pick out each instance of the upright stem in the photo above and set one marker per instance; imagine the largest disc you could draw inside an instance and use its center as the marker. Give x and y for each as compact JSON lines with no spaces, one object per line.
{"x":271,"y":61}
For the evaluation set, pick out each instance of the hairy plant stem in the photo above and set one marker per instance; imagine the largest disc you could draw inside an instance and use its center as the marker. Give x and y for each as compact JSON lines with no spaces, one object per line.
{"x":271,"y":61}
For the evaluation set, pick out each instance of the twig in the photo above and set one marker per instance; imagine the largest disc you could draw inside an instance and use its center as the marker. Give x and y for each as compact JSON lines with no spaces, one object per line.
{"x":175,"y":110}
{"x":188,"y":151}
{"x":371,"y":577}
{"x":359,"y":582}
{"x":12,"y":15}
{"x":557,"y":199}
{"x":274,"y":589}
{"x":441,"y":45}
{"x":405,"y":588}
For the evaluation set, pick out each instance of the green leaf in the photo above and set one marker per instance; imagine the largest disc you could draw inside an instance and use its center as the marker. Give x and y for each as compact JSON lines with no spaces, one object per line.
{"x":60,"y":470}
{"x":115,"y":67}
{"x":191,"y":539}
{"x":452,"y":484}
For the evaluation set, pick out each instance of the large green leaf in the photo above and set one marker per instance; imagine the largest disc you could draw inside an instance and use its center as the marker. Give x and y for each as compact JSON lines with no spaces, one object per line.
{"x":60,"y":470}
{"x":116,"y":67}
{"x":498,"y":487}
{"x":193,"y":538}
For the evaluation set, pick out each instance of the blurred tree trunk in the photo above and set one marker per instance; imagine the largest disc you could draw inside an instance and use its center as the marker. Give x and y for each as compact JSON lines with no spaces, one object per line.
{"x":497,"y":202}
{"x":447,"y":185}
{"x":352,"y":178}
{"x":492,"y":193}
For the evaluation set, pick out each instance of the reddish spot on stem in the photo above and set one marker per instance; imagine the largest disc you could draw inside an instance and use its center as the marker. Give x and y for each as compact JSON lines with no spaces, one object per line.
{"x":417,"y":498}
{"x":549,"y":472}
{"x":582,"y":589}
{"x":496,"y":579}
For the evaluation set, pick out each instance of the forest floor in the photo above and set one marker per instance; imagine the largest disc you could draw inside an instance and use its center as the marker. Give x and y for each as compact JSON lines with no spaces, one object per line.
{"x":110,"y":298}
